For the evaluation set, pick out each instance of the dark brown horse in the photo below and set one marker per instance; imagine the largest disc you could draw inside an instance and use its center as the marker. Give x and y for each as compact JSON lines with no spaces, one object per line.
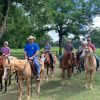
{"x":1,"y":72}
{"x":67,"y":63}
{"x":79,"y":63}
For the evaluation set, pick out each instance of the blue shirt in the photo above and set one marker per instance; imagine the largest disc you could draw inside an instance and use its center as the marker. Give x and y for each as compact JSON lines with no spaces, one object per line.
{"x":31,"y":49}
{"x":47,"y":48}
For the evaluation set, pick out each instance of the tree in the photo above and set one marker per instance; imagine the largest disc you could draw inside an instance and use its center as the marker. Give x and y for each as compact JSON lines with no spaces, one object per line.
{"x":71,"y":16}
{"x":4,"y":15}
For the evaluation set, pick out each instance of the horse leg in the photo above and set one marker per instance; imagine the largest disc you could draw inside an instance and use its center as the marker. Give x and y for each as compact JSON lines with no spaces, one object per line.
{"x":91,"y":79}
{"x":28,"y":87}
{"x":52,"y":71}
{"x":21,"y":89}
{"x":41,"y":75}
{"x":5,"y":86}
{"x":68,"y":73}
{"x":1,"y":83}
{"x":86,"y":81}
{"x":9,"y":79}
{"x":16,"y":77}
{"x":38,"y":85}
{"x":63,"y":73}
{"x":47,"y":73}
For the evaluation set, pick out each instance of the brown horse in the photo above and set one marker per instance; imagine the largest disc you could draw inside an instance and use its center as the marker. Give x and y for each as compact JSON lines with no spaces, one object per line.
{"x":68,"y":62}
{"x":89,"y":65}
{"x":24,"y":73}
{"x":48,"y":63}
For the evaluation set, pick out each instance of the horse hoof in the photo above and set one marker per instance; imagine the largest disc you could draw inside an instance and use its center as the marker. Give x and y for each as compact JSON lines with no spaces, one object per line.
{"x":4,"y":91}
{"x":62,"y":83}
{"x":46,"y":79}
{"x":28,"y":97}
{"x":52,"y":76}
{"x":91,"y":88}
{"x":69,"y":83}
{"x":38,"y":91}
{"x":19,"y":98}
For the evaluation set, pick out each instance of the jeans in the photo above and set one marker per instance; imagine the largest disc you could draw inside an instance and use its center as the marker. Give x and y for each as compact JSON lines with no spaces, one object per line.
{"x":97,"y":60}
{"x":37,"y":65}
{"x":60,"y":58}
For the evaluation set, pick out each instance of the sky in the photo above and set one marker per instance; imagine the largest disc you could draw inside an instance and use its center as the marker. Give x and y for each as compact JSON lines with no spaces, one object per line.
{"x":54,"y":35}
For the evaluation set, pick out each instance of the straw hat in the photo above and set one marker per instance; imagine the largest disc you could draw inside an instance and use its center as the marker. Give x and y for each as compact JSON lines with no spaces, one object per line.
{"x":6,"y":42}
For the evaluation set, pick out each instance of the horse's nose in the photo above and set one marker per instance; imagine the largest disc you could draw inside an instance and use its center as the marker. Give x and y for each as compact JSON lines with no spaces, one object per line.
{"x":4,"y":78}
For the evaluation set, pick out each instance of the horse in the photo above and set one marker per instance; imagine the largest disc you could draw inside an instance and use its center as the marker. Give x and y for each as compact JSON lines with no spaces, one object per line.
{"x":49,"y":63}
{"x":89,"y":66}
{"x":1,"y":75}
{"x":24,"y":72}
{"x":68,"y":62}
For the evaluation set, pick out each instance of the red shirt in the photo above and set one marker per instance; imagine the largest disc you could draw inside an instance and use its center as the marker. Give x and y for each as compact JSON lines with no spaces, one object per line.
{"x":92,"y":46}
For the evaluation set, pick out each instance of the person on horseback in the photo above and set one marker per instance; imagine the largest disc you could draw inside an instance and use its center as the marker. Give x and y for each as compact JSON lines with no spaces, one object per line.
{"x":47,"y":49}
{"x":68,"y":47}
{"x":79,"y":52}
{"x":6,"y":50}
{"x":92,"y":46}
{"x":31,"y":52}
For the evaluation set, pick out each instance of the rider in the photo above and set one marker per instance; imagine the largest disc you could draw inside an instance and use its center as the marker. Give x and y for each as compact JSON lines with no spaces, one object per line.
{"x":47,"y":49}
{"x":79,"y":52}
{"x":92,"y":46}
{"x":31,"y":51}
{"x":68,"y":47}
{"x":6,"y":50}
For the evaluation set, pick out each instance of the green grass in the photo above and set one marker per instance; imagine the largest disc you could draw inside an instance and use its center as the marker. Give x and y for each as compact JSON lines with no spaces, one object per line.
{"x":53,"y":90}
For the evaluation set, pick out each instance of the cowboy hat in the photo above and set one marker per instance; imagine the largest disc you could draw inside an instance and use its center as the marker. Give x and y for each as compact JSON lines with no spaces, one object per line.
{"x":31,"y":37}
{"x":6,"y":42}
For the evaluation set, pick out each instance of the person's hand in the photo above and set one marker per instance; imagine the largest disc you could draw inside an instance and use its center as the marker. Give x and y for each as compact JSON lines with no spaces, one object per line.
{"x":31,"y":58}
{"x":26,"y":57}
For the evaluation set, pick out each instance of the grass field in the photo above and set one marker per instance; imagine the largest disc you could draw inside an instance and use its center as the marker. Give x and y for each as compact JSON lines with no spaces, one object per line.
{"x":53,"y":90}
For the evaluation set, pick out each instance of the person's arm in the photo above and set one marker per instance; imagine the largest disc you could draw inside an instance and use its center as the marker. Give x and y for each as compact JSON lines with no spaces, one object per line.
{"x":25,"y":53}
{"x":93,"y":48}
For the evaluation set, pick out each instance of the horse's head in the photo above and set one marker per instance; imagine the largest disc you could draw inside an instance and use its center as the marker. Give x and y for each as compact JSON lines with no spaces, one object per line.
{"x":87,"y":52}
{"x":47,"y":57}
{"x":7,"y":71}
{"x":8,"y":68}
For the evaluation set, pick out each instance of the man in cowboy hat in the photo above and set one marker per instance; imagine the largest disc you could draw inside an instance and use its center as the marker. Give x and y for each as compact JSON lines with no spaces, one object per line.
{"x":31,"y":52}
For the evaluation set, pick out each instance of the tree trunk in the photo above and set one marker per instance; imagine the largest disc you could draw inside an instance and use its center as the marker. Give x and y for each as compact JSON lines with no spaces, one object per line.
{"x":60,"y":43}
{"x":4,"y":17}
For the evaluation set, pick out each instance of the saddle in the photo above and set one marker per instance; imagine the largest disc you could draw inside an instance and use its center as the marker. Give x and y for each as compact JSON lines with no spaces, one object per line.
{"x":33,"y":69}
